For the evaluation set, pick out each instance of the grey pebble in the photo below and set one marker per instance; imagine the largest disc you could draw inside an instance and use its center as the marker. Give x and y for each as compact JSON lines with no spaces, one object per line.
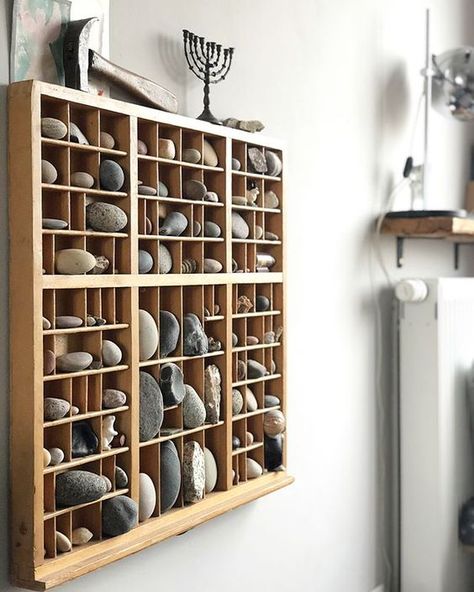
{"x":145,"y":261}
{"x":262,"y":303}
{"x":119,"y":515}
{"x":112,"y":398}
{"x":211,"y":265}
{"x":172,"y":384}
{"x":79,"y":487}
{"x":174,"y":224}
{"x":68,"y":322}
{"x":146,"y":190}
{"x":191,"y":155}
{"x":112,"y":176}
{"x":74,"y":361}
{"x":111,"y":353}
{"x":211,"y":229}
{"x":240,"y":228}
{"x":151,"y":407}
{"x":194,"y":412}
{"x":165,"y":259}
{"x":236,"y":164}
{"x":121,"y":478}
{"x":255,"y":369}
{"x":54,"y":224}
{"x":193,"y":189}
{"x":169,"y":333}
{"x":162,"y":189}
{"x":55,"y":408}
{"x":195,"y":340}
{"x":271,"y":401}
{"x":49,"y":173}
{"x":170,"y":469}
{"x":105,"y":217}
{"x":53,"y":128}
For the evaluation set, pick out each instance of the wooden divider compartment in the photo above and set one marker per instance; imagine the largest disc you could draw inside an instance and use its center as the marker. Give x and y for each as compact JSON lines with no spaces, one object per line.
{"x":151,"y":269}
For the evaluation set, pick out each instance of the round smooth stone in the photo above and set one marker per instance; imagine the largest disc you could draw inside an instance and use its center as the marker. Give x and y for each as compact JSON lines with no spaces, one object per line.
{"x":174,"y":224}
{"x":46,"y":457}
{"x":250,"y":399}
{"x":121,"y":478}
{"x":252,"y":340}
{"x":54,"y":224}
{"x":236,"y":164}
{"x":273,"y":423}
{"x":210,"y":465}
{"x":46,"y":324}
{"x":107,"y":140}
{"x":146,"y":190}
{"x":212,"y":266}
{"x":112,"y":398}
{"x":145,"y":261}
{"x":211,"y":229}
{"x":49,"y":173}
{"x":255,"y":369}
{"x":194,"y":472}
{"x":170,"y":469}
{"x":148,"y":335}
{"x":211,"y":196}
{"x":162,"y":189}
{"x":191,"y":155}
{"x":274,"y":164}
{"x":195,"y":340}
{"x":82,"y":179}
{"x":57,"y":456}
{"x":53,"y":128}
{"x":165,"y":263}
{"x":81,"y":536}
{"x":105,"y":217}
{"x":111,"y":353}
{"x":249,"y":438}
{"x":256,"y":161}
{"x":142,"y":148}
{"x":262,"y":303}
{"x":240,"y":228}
{"x":196,"y":228}
{"x":169,"y":333}
{"x":172,"y":384}
{"x":194,"y":412}
{"x":235,"y":340}
{"x":237,"y":402}
{"x":210,"y":155}
{"x":147,"y":497}
{"x":49,"y":361}
{"x":74,"y":261}
{"x":63,"y":544}
{"x":270,"y":199}
{"x":119,"y":515}
{"x":74,"y":361}
{"x":254,"y":470}
{"x":271,"y":401}
{"x":151,"y":407}
{"x":54,"y":408}
{"x":235,"y":442}
{"x":108,"y":483}
{"x":194,"y":189}
{"x":258,"y":232}
{"x":166,"y":148}
{"x":68,"y":322}
{"x":79,"y":487}
{"x":112,"y":176}
{"x":273,"y":452}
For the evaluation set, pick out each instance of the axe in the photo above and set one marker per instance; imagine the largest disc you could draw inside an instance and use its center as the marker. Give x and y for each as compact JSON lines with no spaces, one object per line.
{"x":79,"y":60}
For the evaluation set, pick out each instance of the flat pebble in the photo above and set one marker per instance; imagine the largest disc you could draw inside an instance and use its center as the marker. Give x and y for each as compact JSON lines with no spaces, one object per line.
{"x":211,"y":229}
{"x":81,"y":536}
{"x":174,"y":224}
{"x":194,"y":472}
{"x":271,"y":236}
{"x":74,"y":261}
{"x":194,"y":189}
{"x":169,"y":333}
{"x":148,"y":335}
{"x":194,"y":412}
{"x":49,"y":173}
{"x":55,"y":408}
{"x":119,"y":515}
{"x":147,"y":497}
{"x":46,"y":457}
{"x":57,"y":456}
{"x":191,"y":155}
{"x":63,"y":544}
{"x":53,"y":128}
{"x":79,"y":487}
{"x":112,"y":176}
{"x":142,"y":148}
{"x":250,"y":399}
{"x":210,"y":155}
{"x":54,"y":224}
{"x":236,"y":164}
{"x":211,"y":471}
{"x":170,"y":469}
{"x":146,"y":190}
{"x":254,"y":470}
{"x":237,"y":402}
{"x":240,"y":228}
{"x":74,"y":361}
{"x":107,"y":140}
{"x":105,"y":217}
{"x":166,"y":148}
{"x":112,"y":398}
{"x":121,"y":478}
{"x":82,"y":179}
{"x":145,"y":261}
{"x":111,"y":353}
{"x":68,"y":322}
{"x":212,"y":266}
{"x":165,"y":261}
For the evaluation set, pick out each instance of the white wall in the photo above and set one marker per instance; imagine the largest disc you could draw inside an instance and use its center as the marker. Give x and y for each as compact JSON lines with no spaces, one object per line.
{"x":338,"y":80}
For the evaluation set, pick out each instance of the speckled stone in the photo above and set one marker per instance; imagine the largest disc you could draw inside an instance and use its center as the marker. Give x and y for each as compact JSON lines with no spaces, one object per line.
{"x":211,"y":229}
{"x":63,"y":544}
{"x":119,"y":515}
{"x":256,"y":160}
{"x":105,"y":217}
{"x":271,"y":401}
{"x":172,"y":384}
{"x":84,"y":440}
{"x":142,"y":148}
{"x":121,"y":478}
{"x":165,"y":261}
{"x":162,"y":189}
{"x":211,"y":471}
{"x":169,"y":333}
{"x":237,"y":402}
{"x":49,"y":361}
{"x":74,"y":361}
{"x":54,"y":224}
{"x":81,"y":536}
{"x":211,"y":265}
{"x":240,"y":228}
{"x":107,"y":140}
{"x":79,"y":487}
{"x":194,"y":472}
{"x":74,"y":261}
{"x":191,"y":155}
{"x":212,"y":393}
{"x":194,"y":412}
{"x":111,"y":353}
{"x":236,"y":164}
{"x":174,"y":224}
{"x":151,"y":407}
{"x":145,"y":261}
{"x":102,"y":264}
{"x":68,"y":322}
{"x":57,"y":456}
{"x":262,"y":303}
{"x":82,"y":179}
{"x":147,"y":497}
{"x":49,"y":173}
{"x":53,"y":128}
{"x":194,"y":189}
{"x":112,"y":176}
{"x":148,"y":335}
{"x":255,"y":369}
{"x":209,"y":154}
{"x":195,"y":340}
{"x":170,"y":469}
{"x":254,"y":470}
{"x":250,"y":400}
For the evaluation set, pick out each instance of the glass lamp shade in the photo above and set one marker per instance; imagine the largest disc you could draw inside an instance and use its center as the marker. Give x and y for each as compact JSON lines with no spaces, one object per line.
{"x":453,"y":83}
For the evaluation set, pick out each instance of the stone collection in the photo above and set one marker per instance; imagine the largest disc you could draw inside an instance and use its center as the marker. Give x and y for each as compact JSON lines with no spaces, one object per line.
{"x":105,"y":217}
{"x":212,"y":393}
{"x":79,"y":487}
{"x":169,"y":333}
{"x":170,"y":469}
{"x":84,"y":440}
{"x":195,"y":340}
{"x":112,"y":177}
{"x":172,"y":384}
{"x":194,"y":412}
{"x":119,"y":515}
{"x":194,"y":472}
{"x":147,"y":499}
{"x":151,"y":407}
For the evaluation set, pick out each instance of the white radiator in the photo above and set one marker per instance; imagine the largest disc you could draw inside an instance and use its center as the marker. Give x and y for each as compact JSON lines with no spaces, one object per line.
{"x":436,"y":459}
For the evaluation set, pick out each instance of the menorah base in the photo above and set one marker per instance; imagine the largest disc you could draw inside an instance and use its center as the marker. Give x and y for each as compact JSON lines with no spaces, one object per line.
{"x":206,"y":115}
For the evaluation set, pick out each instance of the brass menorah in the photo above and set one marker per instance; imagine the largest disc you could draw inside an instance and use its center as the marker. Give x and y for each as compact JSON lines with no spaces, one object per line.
{"x":210,"y":63}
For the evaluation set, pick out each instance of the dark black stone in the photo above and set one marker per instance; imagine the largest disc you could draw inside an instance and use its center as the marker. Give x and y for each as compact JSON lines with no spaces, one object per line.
{"x":84,"y":439}
{"x":235,"y":442}
{"x":466,"y":523}
{"x":195,"y":340}
{"x":273,"y":453}
{"x":170,"y":470}
{"x":172,"y":384}
{"x":262,"y":303}
{"x":169,"y":333}
{"x":119,"y":515}
{"x":151,"y":407}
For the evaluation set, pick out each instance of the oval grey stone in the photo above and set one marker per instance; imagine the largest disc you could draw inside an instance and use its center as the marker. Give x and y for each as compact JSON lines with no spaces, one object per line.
{"x":162,"y":189}
{"x":146,"y":190}
{"x":119,"y":515}
{"x":79,"y":487}
{"x":240,"y":228}
{"x":193,"y":189}
{"x":151,"y":407}
{"x":271,"y":401}
{"x":211,"y":265}
{"x":112,"y":176}
{"x":172,"y":384}
{"x":170,"y":469}
{"x":54,"y":224}
{"x":211,"y":229}
{"x":262,"y":303}
{"x":49,"y":173}
{"x":74,"y":361}
{"x":57,"y":456}
{"x":74,"y":261}
{"x":68,"y":322}
{"x":82,"y":179}
{"x":54,"y":408}
{"x":145,"y":261}
{"x":111,"y":353}
{"x":237,"y":401}
{"x":165,"y":260}
{"x":236,"y":164}
{"x":53,"y":128}
{"x":148,"y":335}
{"x":107,"y":140}
{"x":112,"y":398}
{"x":255,"y":369}
{"x":191,"y":155}
{"x":105,"y":217}
{"x":169,"y":333}
{"x":194,"y":412}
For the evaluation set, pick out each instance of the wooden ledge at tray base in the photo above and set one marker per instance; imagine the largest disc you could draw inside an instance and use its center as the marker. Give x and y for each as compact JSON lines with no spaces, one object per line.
{"x":454,"y":229}
{"x":155,"y":530}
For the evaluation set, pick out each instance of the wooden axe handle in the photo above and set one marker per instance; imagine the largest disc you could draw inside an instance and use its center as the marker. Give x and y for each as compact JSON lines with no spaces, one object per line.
{"x":142,"y":88}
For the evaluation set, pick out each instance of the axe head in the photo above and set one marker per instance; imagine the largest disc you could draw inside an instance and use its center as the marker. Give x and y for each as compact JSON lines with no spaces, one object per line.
{"x":76,"y":53}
